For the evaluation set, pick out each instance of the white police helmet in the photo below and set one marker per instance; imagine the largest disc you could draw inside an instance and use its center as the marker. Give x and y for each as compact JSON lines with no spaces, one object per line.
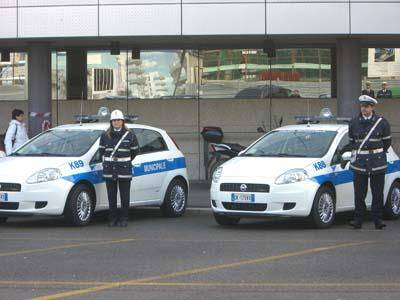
{"x":117,"y":115}
{"x":365,"y":99}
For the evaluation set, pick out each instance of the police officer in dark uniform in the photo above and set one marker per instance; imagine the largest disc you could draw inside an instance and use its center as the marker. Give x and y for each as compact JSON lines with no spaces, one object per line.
{"x":368,"y":91}
{"x":369,"y":162}
{"x":384,"y":92}
{"x":118,"y":147}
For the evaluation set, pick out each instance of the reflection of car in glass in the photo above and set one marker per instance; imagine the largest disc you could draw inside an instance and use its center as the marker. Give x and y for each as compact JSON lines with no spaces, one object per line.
{"x":59,"y":172}
{"x":179,"y":97}
{"x":297,"y":171}
{"x":264,"y":91}
{"x":325,"y":96}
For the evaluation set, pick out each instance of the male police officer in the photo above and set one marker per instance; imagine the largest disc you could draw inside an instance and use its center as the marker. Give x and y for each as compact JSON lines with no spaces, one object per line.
{"x":370,"y":139}
{"x":384,"y":92}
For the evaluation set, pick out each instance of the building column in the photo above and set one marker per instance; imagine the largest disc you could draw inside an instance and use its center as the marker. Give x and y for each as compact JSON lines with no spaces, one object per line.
{"x":348,"y":66}
{"x":76,"y":73}
{"x":39,"y":85}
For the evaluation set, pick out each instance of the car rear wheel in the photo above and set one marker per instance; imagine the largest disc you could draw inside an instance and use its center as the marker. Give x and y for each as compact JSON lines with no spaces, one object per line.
{"x":392,"y":206}
{"x":175,"y":199}
{"x":225,"y":220}
{"x":80,"y":205}
{"x":324,"y":208}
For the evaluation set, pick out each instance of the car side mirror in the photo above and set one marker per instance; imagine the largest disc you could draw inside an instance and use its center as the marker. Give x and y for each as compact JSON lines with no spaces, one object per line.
{"x":345,"y":159}
{"x":346,"y":156}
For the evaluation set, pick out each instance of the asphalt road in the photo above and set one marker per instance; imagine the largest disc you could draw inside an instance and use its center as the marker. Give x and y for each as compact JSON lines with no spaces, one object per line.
{"x":193,"y":258}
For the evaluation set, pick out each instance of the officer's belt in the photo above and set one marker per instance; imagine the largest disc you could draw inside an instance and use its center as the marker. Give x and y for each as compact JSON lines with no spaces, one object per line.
{"x":117,"y":159}
{"x":380,"y":150}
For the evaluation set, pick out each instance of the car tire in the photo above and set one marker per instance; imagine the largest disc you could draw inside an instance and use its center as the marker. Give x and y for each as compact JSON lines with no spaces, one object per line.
{"x":3,"y":220}
{"x":225,"y":220}
{"x":80,"y":205}
{"x":214,"y":166}
{"x":392,"y":205}
{"x":175,"y":199}
{"x":324,"y":208}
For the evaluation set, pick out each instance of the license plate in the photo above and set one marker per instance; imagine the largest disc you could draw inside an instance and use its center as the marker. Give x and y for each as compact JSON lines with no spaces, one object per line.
{"x":3,"y":197}
{"x":243,"y":197}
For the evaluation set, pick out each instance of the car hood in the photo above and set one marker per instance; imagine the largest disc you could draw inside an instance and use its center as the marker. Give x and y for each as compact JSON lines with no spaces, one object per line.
{"x":270,"y":167}
{"x":18,"y":169}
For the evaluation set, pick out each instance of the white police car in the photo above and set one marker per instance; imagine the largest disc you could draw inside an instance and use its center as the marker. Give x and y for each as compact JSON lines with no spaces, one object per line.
{"x":59,"y":172}
{"x":295,"y":171}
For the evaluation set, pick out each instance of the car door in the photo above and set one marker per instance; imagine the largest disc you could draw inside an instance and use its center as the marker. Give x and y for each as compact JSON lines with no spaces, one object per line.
{"x":96,"y":166}
{"x":342,"y":178}
{"x":149,"y":166}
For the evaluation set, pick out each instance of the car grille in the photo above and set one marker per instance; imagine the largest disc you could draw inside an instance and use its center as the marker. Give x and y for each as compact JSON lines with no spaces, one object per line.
{"x":10,"y":187}
{"x":9,"y":205}
{"x":251,"y":187}
{"x":245,"y":206}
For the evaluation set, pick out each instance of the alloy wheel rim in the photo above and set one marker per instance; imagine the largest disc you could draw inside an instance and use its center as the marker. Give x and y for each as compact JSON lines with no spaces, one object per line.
{"x":395,"y":197}
{"x":84,"y":206}
{"x":326,"y":208}
{"x":178,"y":198}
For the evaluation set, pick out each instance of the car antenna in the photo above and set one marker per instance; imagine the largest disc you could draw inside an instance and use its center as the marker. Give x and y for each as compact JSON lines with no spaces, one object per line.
{"x":80,"y":119}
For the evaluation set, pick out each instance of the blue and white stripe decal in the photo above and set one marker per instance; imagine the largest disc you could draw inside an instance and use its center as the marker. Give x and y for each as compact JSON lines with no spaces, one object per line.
{"x":346,"y":176}
{"x":147,"y":168}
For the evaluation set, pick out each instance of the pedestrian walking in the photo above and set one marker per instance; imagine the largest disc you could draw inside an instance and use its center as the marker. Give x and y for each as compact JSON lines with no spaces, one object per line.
{"x":16,"y":134}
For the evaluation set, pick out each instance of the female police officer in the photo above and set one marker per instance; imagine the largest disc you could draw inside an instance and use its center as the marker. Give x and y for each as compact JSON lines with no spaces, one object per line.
{"x":118,"y":147}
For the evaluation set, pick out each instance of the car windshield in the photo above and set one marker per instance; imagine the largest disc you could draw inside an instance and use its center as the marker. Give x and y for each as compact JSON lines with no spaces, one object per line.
{"x":293,"y":143}
{"x":59,"y":142}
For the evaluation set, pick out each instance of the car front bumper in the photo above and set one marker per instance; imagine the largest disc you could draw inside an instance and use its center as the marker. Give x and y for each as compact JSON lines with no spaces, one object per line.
{"x":294,"y":199}
{"x":47,"y":198}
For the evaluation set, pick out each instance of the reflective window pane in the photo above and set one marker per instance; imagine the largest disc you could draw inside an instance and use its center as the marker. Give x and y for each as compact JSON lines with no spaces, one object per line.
{"x":250,"y":74}
{"x":59,"y":75}
{"x":164,"y":75}
{"x":381,"y":72}
{"x":13,"y":77}
{"x":107,"y":75}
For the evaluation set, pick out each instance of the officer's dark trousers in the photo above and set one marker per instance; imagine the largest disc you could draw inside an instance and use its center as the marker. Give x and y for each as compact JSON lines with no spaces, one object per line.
{"x":124,"y":192}
{"x":377,"y":182}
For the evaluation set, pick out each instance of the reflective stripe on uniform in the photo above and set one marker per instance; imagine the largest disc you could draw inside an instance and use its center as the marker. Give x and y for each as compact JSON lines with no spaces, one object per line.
{"x":375,"y":140}
{"x":387,"y":137}
{"x":124,"y":159}
{"x":379,"y":168}
{"x":124,"y":176}
{"x":358,"y":169}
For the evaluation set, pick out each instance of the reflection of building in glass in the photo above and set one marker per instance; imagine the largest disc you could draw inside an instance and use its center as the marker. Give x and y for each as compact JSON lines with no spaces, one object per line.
{"x":227,"y":72}
{"x":13,"y":76}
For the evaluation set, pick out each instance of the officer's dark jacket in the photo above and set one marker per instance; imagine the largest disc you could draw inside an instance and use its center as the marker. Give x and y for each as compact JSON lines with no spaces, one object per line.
{"x":380,"y":138}
{"x":370,"y":93}
{"x":121,"y":170}
{"x":384,"y":94}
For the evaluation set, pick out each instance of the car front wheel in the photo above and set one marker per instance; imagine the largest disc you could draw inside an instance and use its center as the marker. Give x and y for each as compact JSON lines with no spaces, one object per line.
{"x":175,"y":199}
{"x":392,"y":206}
{"x":80,"y":205}
{"x":324,"y":208}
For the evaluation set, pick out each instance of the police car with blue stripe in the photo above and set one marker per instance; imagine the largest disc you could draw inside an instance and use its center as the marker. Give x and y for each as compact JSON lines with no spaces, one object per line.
{"x":298,"y":170}
{"x":59,"y":172}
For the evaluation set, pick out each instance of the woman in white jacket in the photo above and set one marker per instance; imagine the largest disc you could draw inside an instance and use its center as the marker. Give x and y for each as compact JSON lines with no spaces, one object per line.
{"x":16,"y":133}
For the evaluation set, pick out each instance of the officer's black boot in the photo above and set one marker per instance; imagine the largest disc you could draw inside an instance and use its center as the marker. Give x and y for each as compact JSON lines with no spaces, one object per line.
{"x":356,"y":224}
{"x":379,"y":224}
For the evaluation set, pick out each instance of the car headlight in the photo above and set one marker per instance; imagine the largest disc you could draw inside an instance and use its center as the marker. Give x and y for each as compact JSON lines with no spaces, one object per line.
{"x":217,"y":175}
{"x":292,"y":176}
{"x":44,"y":176}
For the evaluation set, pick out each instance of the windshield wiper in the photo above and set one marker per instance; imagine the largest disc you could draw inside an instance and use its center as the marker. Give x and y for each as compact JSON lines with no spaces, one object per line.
{"x":289,"y":155}
{"x":45,"y":154}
